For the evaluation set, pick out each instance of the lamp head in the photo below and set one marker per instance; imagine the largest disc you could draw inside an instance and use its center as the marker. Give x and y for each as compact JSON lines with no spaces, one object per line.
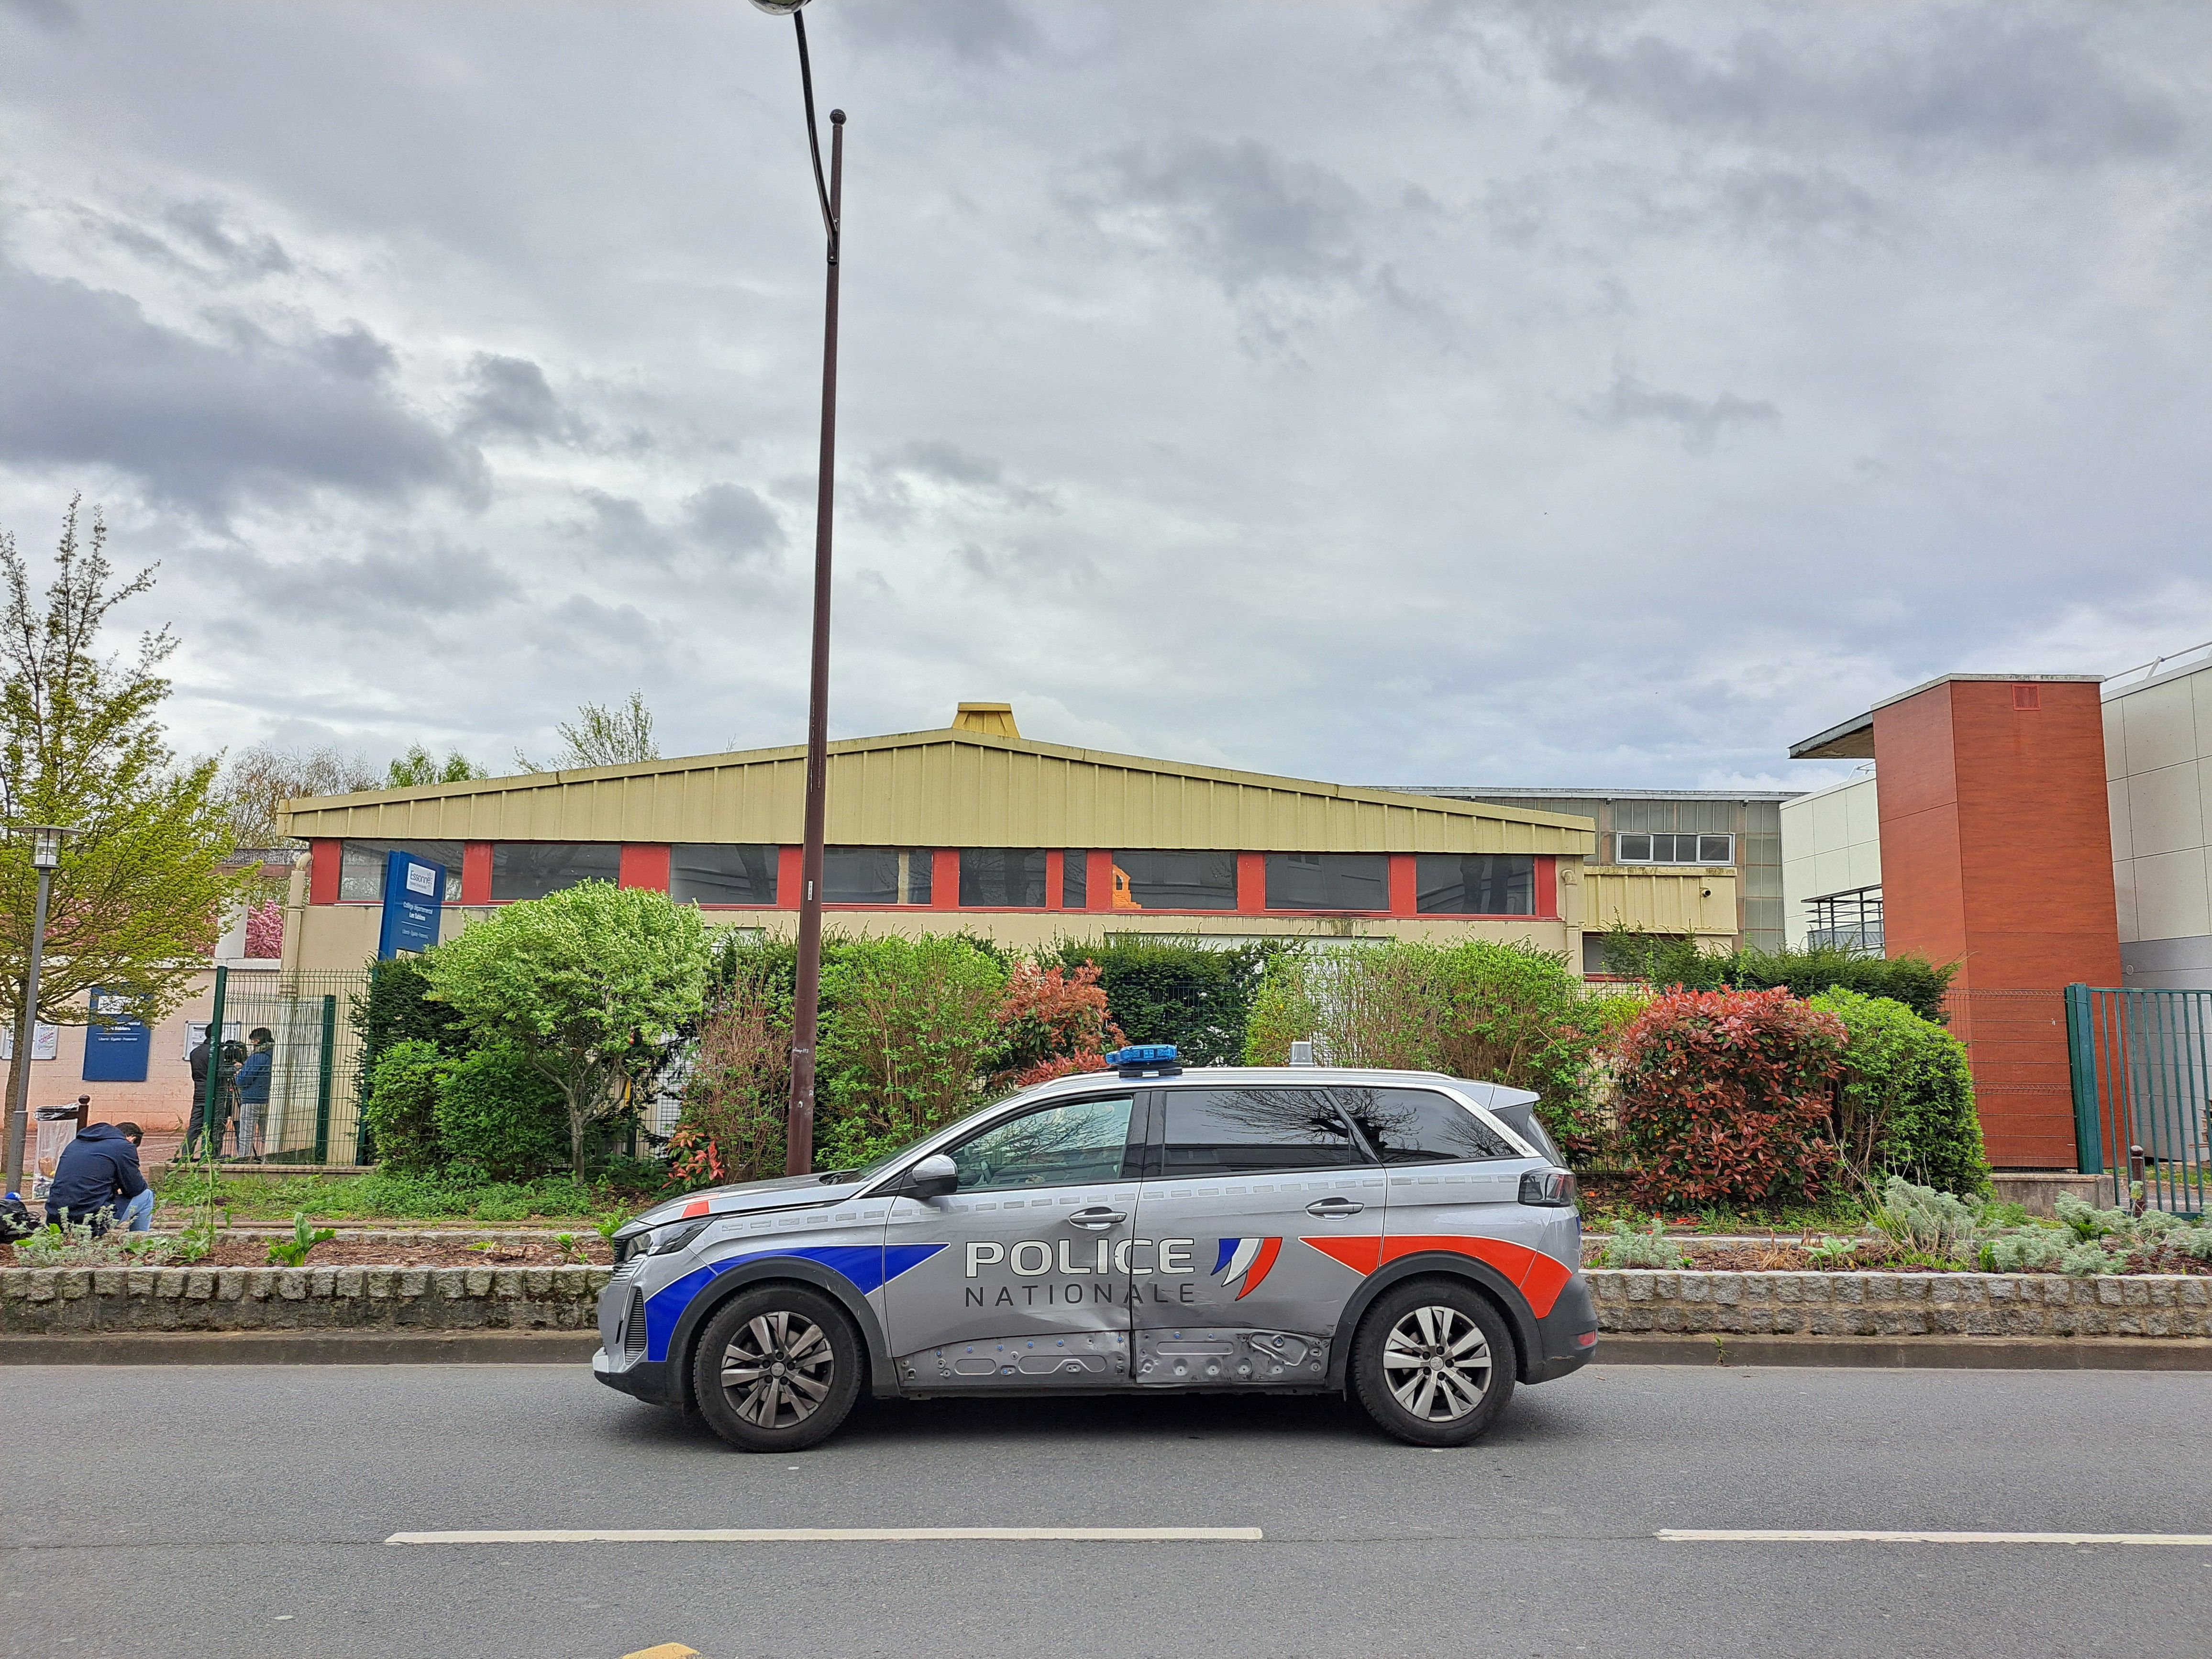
{"x":779,"y":7}
{"x":46,"y":843}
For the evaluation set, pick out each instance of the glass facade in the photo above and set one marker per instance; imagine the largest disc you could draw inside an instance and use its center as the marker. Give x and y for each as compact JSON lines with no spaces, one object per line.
{"x":876,"y":875}
{"x":1174,"y":881}
{"x":361,"y":867}
{"x":532,"y":869}
{"x":1001,"y":878}
{"x":1328,"y":881}
{"x":1075,"y":879}
{"x":722,"y":872}
{"x":1474,"y":885}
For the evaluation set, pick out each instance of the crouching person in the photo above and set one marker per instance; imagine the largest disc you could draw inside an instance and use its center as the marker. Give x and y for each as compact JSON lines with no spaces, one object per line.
{"x":98,"y":1176}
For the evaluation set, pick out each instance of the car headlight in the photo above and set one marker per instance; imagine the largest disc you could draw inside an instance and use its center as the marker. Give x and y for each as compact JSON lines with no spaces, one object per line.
{"x":675,"y":1238}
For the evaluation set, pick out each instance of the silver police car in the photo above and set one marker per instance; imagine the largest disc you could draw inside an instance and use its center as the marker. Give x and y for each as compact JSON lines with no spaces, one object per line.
{"x":1406,"y":1237}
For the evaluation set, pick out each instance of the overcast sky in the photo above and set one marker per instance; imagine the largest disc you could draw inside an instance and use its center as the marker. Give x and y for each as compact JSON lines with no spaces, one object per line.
{"x":1602,"y":394}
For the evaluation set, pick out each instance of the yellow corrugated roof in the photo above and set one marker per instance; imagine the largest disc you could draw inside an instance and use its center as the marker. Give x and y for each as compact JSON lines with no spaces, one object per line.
{"x":943,"y":788}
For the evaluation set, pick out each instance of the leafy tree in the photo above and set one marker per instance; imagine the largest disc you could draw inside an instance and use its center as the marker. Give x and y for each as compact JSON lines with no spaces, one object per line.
{"x":600,"y":736}
{"x":136,"y":900}
{"x":418,"y":769}
{"x":588,"y":983}
{"x":260,"y":779}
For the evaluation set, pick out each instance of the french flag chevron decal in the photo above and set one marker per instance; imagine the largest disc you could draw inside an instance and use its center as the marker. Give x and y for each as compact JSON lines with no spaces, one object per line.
{"x":1246,"y":1262}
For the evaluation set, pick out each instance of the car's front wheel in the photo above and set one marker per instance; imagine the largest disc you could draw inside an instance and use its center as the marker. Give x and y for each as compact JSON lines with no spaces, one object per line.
{"x":777,"y":1369}
{"x":1433,"y":1363}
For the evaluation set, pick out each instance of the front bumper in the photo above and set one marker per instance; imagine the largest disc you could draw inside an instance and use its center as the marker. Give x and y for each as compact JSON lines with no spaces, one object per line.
{"x":1568,"y":1334}
{"x":654,"y":1380}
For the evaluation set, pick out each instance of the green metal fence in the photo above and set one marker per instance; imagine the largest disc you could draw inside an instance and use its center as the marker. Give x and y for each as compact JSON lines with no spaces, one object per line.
{"x":314,"y":1114}
{"x":2142,"y":1064}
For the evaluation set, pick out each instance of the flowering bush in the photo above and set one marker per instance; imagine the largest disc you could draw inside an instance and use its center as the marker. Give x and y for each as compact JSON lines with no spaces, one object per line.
{"x":264,"y":931}
{"x":1724,"y":1099}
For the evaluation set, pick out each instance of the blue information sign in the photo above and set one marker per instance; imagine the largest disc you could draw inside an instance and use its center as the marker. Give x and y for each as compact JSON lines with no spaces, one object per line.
{"x":116,"y":1053}
{"x":413,"y":894}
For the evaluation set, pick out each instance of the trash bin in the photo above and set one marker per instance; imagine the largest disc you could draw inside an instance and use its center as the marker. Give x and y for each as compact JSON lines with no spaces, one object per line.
{"x":57,"y":1128}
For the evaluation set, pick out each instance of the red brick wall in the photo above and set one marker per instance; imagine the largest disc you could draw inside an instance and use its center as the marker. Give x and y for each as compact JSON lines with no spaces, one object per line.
{"x":1996,"y":854}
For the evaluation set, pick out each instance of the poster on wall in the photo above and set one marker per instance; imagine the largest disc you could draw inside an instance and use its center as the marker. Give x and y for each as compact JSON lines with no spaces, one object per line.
{"x":117,"y":1052}
{"x":45,"y":1042}
{"x":233,"y":1030}
{"x":413,"y":897}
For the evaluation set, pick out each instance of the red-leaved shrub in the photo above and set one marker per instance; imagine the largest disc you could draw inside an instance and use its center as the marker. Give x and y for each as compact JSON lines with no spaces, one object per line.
{"x":1723,"y":1099}
{"x":1052,"y":1023}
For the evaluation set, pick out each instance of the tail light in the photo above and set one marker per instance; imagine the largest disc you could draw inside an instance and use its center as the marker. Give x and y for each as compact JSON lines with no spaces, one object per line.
{"x":1553,"y":1189}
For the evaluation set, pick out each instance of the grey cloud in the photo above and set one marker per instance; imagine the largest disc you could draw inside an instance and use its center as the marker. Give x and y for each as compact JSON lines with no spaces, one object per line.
{"x":355,"y":353}
{"x":510,"y":397}
{"x":886,"y":491}
{"x":1699,"y":420}
{"x":978,"y":31}
{"x":1973,"y":77}
{"x":438,"y":581}
{"x":736,"y":521}
{"x":1785,"y":204}
{"x":622,"y":527}
{"x":1242,"y":211}
{"x":92,"y":380}
{"x":54,"y":14}
{"x":201,"y":225}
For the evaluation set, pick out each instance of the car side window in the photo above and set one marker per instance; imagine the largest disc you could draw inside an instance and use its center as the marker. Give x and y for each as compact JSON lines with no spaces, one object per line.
{"x":1065,"y":1145}
{"x":1253,"y":1132}
{"x":1418,"y":1126}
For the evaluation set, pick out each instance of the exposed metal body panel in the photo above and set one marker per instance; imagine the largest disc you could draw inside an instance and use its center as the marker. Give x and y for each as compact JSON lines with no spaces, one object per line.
{"x":947,"y":788}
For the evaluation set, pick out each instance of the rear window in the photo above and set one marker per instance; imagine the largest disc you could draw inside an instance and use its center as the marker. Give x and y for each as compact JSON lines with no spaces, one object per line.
{"x":1420,"y":1125}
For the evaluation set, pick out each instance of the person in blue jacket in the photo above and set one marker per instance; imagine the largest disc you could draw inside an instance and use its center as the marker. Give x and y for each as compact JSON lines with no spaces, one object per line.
{"x":97,"y":1177}
{"x":253,"y":1091}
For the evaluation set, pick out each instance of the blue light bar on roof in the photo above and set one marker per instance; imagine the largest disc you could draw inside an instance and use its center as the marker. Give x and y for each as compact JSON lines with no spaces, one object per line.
{"x":1140,"y":1059}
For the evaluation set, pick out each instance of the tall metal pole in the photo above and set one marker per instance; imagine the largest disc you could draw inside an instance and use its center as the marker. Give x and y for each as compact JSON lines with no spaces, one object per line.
{"x":799,"y":1123}
{"x":19,"y":1078}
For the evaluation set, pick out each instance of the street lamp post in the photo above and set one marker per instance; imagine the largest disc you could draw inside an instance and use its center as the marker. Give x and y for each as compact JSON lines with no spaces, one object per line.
{"x":46,"y":858}
{"x":799,"y":1122}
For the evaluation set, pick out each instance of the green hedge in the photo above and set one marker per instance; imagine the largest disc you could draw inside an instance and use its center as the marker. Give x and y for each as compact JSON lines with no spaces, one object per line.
{"x":1908,"y":1097}
{"x":1671,"y":963}
{"x":1162,"y":991}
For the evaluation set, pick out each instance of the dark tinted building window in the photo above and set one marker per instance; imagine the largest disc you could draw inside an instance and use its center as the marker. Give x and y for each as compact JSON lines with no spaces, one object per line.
{"x":361,"y":868}
{"x":1254,"y":1131}
{"x":1174,"y":881}
{"x":1418,"y":1126}
{"x":876,"y":875}
{"x":1328,"y":881}
{"x":999,"y":877}
{"x":722,"y":872}
{"x":1075,"y":880}
{"x":1475,"y":885}
{"x":532,"y":869}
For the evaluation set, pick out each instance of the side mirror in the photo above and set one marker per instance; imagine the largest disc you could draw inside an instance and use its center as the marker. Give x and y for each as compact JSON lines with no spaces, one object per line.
{"x":933,"y":1177}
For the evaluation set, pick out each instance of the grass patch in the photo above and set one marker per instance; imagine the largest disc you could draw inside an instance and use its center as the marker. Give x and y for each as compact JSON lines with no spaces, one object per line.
{"x":376,"y":1195}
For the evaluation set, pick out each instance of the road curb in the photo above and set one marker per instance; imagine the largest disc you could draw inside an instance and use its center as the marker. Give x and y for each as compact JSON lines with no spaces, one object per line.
{"x":303,"y":1348}
{"x":2016,"y":1353}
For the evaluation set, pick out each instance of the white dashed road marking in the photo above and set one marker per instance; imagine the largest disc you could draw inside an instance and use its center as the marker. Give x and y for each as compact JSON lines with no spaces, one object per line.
{"x":1711,"y":1535}
{"x":847,"y":1536}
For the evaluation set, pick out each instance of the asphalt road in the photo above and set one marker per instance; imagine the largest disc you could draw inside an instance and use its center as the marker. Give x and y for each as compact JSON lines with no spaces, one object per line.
{"x":217,"y":1512}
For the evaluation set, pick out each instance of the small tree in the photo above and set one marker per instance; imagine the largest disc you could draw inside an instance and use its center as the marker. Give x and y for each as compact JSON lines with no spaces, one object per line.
{"x":418,"y":768}
{"x":256,"y":781}
{"x":135,"y":902}
{"x":578,"y":981}
{"x":739,"y":1088}
{"x":1724,"y":1099}
{"x":600,"y":736}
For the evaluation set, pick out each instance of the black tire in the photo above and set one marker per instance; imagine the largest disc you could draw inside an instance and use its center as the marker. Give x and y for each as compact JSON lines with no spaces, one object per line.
{"x":794,"y":1368}
{"x":1433,"y":1363}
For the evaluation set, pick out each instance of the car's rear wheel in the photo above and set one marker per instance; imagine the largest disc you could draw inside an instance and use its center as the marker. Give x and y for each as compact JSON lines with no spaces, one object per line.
{"x":777,"y":1369}
{"x":1433,"y":1363}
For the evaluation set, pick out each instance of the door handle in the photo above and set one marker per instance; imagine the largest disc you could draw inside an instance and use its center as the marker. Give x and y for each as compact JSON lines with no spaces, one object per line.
{"x":1332,"y":1209}
{"x":1097,"y":1218}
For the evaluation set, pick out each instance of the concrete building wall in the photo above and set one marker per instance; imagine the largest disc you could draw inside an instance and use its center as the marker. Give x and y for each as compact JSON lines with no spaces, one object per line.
{"x":1832,"y":844}
{"x":2158,"y":761}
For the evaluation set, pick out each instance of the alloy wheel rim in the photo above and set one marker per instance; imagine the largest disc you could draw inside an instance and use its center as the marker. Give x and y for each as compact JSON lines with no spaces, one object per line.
{"x":778,"y":1369}
{"x":1437,"y":1364}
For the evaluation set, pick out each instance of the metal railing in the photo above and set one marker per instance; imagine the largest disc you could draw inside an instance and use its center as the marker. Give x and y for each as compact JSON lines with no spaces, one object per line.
{"x":312,"y":1115}
{"x":2142,"y":1065}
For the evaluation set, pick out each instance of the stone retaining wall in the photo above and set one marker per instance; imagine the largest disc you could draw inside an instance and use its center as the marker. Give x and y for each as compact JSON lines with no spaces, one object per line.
{"x":60,"y":1300}
{"x":1901,"y":1304}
